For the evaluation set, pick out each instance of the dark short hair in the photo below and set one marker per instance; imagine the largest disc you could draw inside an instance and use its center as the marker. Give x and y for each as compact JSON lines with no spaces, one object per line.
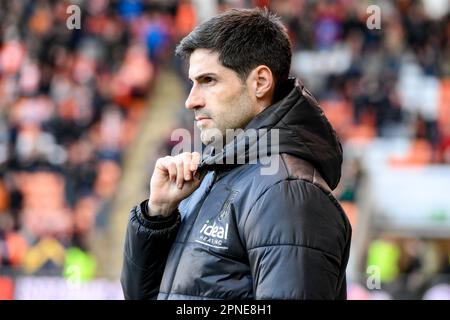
{"x":244,"y":39}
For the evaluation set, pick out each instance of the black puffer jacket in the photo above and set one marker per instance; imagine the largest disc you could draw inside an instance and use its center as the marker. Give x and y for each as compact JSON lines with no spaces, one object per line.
{"x":244,"y":235}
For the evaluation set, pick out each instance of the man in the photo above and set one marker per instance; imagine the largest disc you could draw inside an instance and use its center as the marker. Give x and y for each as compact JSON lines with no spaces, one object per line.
{"x":212,"y":229}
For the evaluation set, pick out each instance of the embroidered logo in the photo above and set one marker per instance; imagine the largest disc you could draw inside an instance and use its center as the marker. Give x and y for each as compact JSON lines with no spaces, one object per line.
{"x":215,"y":233}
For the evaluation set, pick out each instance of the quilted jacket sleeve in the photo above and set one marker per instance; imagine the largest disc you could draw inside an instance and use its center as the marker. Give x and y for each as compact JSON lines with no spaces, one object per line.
{"x":298,"y":240}
{"x":147,"y":244}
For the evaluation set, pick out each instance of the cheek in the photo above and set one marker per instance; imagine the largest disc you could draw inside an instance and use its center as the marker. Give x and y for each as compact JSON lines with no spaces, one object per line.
{"x":217,"y":103}
{"x":227,"y":105}
{"x":232,"y":99}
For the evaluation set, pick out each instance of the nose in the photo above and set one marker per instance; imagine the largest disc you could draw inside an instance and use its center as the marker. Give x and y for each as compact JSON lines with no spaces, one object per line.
{"x":195,"y":99}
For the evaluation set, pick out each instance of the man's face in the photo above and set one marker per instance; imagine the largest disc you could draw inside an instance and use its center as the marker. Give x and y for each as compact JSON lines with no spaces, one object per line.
{"x":218,"y":97}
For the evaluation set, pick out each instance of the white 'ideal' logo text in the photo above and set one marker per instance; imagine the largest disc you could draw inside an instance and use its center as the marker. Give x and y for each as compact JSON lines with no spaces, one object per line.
{"x":214,"y":235}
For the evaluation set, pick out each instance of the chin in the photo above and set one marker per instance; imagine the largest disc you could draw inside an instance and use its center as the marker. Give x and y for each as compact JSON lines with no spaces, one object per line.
{"x":209,"y":135}
{"x":206,"y":139}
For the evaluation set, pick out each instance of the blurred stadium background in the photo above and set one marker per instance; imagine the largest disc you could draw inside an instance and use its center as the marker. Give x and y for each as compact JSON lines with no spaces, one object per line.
{"x":84,"y":113}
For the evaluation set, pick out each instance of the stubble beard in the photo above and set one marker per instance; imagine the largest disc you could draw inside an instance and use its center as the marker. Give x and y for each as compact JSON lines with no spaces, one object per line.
{"x":240,"y":118}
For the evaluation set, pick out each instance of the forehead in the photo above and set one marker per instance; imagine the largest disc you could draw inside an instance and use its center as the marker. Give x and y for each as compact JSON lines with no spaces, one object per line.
{"x":205,"y":61}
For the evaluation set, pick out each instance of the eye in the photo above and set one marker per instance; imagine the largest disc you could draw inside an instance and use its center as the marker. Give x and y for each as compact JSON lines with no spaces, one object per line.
{"x":208,"y":80}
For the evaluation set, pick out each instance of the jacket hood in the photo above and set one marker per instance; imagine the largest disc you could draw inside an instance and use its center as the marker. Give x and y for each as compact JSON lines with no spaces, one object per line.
{"x":303,"y":131}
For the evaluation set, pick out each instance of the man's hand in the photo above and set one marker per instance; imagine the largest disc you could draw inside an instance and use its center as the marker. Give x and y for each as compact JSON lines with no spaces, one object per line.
{"x":172,"y":181}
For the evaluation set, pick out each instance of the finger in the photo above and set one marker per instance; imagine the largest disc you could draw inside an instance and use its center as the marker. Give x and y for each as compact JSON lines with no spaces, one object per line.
{"x":180,"y":172}
{"x":172,"y":168}
{"x":166,"y":164}
{"x":195,"y":160}
{"x":187,"y":158}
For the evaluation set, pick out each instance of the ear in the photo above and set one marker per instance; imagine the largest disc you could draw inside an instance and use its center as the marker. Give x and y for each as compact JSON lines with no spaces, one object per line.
{"x":263,"y":84}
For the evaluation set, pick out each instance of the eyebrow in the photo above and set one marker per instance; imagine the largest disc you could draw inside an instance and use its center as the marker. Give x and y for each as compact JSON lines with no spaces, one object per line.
{"x":203,"y":75}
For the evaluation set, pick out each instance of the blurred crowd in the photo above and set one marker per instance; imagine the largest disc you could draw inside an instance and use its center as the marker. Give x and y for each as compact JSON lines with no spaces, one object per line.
{"x":71,"y":100}
{"x":387,"y":79}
